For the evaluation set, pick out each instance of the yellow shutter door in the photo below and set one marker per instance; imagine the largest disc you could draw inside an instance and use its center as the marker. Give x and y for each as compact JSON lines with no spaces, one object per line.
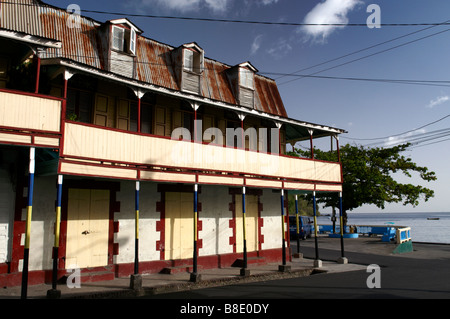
{"x":251,"y":223}
{"x":179,"y":229}
{"x":87,"y":228}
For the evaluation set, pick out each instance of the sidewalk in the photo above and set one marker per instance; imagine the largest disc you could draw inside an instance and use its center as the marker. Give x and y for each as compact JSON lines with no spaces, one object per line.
{"x":162,"y":283}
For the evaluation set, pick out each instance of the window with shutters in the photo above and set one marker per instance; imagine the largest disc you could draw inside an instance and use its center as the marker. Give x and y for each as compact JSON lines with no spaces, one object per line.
{"x":246,"y":78}
{"x":124,"y":40}
{"x":118,"y":39}
{"x":192,"y":61}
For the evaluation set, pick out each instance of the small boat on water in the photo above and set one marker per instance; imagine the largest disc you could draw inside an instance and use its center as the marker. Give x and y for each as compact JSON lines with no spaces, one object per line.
{"x":433,"y":218}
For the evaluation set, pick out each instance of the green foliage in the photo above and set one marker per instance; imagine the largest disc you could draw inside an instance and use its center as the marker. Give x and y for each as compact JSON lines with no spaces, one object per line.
{"x":305,"y":206}
{"x":368,"y":176}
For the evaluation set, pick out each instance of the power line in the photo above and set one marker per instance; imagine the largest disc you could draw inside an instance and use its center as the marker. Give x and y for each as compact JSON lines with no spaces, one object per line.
{"x":416,"y":139}
{"x":362,"y":50}
{"x":395,"y":81}
{"x":296,"y":24}
{"x":445,"y":83}
{"x":371,"y":55}
{"x":399,"y":134}
{"x":447,"y":139}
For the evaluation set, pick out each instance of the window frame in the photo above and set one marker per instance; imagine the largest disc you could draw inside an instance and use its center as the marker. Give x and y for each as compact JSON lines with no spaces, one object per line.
{"x":127,"y":38}
{"x":246,"y":78}
{"x":115,"y":30}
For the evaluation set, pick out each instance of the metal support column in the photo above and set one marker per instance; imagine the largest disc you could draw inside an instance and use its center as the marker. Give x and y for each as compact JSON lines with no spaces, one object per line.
{"x":317,"y":261}
{"x":195,"y":277}
{"x":283,"y":267}
{"x":244,"y":270}
{"x":26,"y":251}
{"x":342,"y":224}
{"x":297,"y":221}
{"x":136,"y":230}
{"x":195,"y":227}
{"x":283,"y":228}
{"x":136,"y":278}
{"x":54,"y":293}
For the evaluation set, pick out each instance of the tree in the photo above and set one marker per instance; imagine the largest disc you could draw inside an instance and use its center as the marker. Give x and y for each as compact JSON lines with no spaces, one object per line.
{"x":305,"y":206}
{"x":368,"y":177}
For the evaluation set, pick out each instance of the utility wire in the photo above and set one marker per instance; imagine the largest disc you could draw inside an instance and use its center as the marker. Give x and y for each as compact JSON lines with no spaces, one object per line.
{"x":399,"y":134}
{"x":395,"y":81}
{"x":362,"y":50}
{"x":370,"y":55}
{"x":442,"y":83}
{"x":416,"y":139}
{"x":296,"y":24}
{"x":416,"y":146}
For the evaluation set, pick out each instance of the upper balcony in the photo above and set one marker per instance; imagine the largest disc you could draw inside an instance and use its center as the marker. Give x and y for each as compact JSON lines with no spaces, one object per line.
{"x":90,"y":150}
{"x":29,"y":119}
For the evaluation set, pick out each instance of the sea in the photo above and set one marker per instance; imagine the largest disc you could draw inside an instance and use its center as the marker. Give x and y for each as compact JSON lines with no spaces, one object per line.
{"x":425,"y":227}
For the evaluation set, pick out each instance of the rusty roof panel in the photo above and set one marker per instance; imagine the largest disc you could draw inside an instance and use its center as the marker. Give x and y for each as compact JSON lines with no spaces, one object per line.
{"x":267,"y":97}
{"x":21,"y":16}
{"x":80,"y":44}
{"x":216,"y":82}
{"x":154,"y":64}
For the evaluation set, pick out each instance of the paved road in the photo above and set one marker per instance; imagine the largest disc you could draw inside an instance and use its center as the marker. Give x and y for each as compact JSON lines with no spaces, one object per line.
{"x":422,"y":274}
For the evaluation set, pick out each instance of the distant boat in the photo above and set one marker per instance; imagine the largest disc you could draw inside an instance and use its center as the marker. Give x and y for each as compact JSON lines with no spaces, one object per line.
{"x":433,"y":218}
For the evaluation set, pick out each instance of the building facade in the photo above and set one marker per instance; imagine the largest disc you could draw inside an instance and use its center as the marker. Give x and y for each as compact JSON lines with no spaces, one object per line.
{"x":120,"y":154}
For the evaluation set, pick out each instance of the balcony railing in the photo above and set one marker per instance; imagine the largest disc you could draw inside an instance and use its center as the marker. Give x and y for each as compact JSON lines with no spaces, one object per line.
{"x":92,"y":144}
{"x":27,"y":118}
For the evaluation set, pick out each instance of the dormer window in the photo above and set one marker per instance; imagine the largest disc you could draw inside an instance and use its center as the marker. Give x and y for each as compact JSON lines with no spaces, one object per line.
{"x":242,"y":80}
{"x":124,"y":40}
{"x":188,"y":61}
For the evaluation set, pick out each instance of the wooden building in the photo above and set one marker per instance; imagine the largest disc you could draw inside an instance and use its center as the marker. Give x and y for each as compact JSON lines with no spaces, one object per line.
{"x":120,"y":154}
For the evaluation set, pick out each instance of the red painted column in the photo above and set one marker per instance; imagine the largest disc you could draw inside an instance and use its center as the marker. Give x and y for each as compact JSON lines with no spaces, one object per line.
{"x":139,"y":116}
{"x":38,"y":73}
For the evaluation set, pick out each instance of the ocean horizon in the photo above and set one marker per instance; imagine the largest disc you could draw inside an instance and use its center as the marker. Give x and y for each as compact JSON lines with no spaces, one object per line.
{"x":427,"y":227}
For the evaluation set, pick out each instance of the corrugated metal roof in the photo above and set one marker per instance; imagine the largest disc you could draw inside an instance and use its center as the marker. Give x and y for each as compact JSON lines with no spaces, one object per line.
{"x":154,"y":64}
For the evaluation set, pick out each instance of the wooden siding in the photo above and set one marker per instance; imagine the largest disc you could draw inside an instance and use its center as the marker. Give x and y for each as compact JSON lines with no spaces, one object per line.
{"x":246,"y":97}
{"x":109,"y":145}
{"x":191,"y":82}
{"x":27,"y":112}
{"x":122,"y":64}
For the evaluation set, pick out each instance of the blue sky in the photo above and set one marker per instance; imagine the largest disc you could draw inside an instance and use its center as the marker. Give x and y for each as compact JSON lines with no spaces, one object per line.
{"x":365,"y":109}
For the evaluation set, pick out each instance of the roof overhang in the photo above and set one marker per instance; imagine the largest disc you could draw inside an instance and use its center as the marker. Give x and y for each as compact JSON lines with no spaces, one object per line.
{"x":32,"y":40}
{"x":127,"y":22}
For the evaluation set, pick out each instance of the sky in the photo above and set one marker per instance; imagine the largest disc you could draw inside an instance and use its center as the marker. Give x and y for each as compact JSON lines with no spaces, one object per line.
{"x":375,"y":113}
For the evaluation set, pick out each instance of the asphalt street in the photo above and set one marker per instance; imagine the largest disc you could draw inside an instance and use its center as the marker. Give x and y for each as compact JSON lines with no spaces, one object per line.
{"x":421,"y":274}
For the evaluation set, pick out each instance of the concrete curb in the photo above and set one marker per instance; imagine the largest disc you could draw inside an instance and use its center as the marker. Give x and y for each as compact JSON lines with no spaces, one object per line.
{"x":186,"y":286}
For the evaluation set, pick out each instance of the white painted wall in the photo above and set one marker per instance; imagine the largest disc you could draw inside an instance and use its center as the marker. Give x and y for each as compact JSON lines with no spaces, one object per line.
{"x":272,"y":219}
{"x":215,"y":217}
{"x":148,"y":216}
{"x":7,"y":197}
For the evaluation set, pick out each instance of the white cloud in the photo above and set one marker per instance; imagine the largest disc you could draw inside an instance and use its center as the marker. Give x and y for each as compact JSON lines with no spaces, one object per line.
{"x":267,"y":2}
{"x":188,"y":5}
{"x":437,"y":101}
{"x":256,"y":44}
{"x":328,"y":12}
{"x":217,"y":6}
{"x":280,"y":49}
